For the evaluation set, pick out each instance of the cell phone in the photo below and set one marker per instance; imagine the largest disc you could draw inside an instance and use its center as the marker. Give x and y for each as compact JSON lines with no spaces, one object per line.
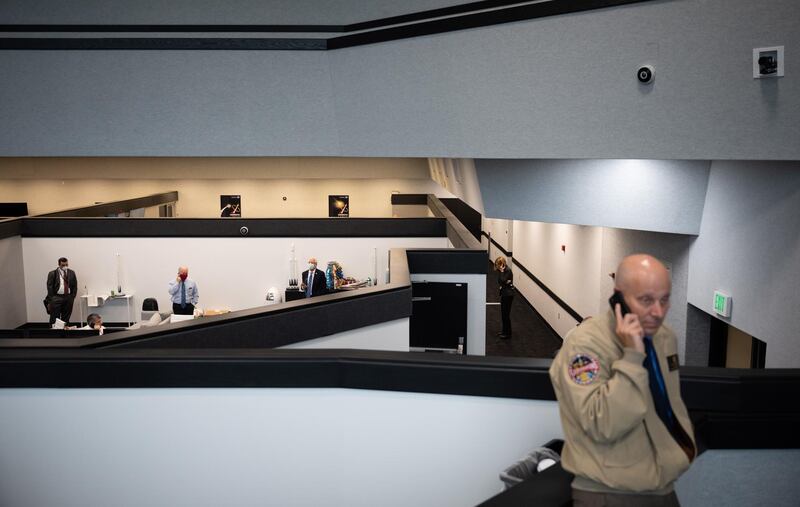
{"x":617,"y":298}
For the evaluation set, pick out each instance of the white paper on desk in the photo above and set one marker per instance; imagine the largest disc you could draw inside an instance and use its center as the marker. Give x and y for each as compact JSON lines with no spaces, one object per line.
{"x":59,"y":324}
{"x":91,"y":301}
{"x":179,"y":318}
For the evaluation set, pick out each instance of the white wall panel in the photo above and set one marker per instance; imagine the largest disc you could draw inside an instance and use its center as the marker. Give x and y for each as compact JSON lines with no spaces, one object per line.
{"x":573,"y":275}
{"x":211,"y":447}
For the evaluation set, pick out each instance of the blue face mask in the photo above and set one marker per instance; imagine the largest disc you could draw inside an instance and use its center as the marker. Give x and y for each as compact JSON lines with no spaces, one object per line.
{"x":312,"y":267}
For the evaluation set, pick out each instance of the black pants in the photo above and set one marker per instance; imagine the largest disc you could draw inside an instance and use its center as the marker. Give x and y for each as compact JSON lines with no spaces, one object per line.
{"x":505,"y":312}
{"x":61,"y":308}
{"x":177,"y":310}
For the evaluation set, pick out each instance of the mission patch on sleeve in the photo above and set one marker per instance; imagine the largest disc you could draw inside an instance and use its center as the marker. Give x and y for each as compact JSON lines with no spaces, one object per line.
{"x":583,"y":369}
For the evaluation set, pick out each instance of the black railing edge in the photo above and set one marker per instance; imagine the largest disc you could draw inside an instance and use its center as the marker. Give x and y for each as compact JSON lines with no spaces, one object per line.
{"x":89,"y":227}
{"x":457,"y":233}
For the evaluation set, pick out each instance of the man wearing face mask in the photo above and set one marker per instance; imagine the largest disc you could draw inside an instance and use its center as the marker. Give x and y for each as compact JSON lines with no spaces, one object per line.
{"x":183,"y":292}
{"x":62,"y":286}
{"x":313,"y":280}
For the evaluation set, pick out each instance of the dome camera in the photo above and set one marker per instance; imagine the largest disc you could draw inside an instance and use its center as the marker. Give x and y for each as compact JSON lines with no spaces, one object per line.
{"x":646,"y":74}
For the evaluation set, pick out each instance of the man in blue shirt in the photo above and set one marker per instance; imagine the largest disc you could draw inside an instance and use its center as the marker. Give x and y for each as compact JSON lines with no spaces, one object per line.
{"x":183,"y":292}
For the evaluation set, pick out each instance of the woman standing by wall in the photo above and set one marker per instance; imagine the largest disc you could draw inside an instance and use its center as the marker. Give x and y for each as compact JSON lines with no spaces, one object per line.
{"x":505,"y":278}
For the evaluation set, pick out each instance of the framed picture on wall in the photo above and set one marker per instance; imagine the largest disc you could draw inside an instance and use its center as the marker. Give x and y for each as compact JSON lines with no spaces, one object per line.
{"x":338,"y":206}
{"x":230,"y":206}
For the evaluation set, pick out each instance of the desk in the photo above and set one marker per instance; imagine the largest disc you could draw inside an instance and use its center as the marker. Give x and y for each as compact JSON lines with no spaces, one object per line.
{"x":93,"y":301}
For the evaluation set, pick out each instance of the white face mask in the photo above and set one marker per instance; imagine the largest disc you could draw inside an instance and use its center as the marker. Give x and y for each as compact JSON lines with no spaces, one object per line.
{"x":312,"y":267}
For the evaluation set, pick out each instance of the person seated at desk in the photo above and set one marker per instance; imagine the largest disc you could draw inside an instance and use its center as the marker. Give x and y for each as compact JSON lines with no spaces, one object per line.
{"x":313,"y":280}
{"x":94,"y":321}
{"x":183,"y":292}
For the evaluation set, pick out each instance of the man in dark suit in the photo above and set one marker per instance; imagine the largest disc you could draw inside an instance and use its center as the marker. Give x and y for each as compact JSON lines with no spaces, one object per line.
{"x":62,"y":287}
{"x":317,"y":285}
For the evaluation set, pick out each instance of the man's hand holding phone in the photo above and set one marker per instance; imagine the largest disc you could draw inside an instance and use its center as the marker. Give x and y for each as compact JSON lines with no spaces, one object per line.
{"x":629,"y":329}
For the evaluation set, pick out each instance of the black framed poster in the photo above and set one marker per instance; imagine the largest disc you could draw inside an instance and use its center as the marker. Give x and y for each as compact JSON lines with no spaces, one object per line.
{"x":338,"y":206}
{"x":230,"y":206}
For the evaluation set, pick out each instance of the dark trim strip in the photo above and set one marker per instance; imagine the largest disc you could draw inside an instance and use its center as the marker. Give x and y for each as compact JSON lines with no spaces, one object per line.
{"x":116,"y":207}
{"x":462,"y":17}
{"x":453,"y":10}
{"x":447,"y":260}
{"x":476,"y":20}
{"x":95,"y":28}
{"x":162,"y":44}
{"x":233,"y":227}
{"x":497,"y":245}
{"x":410,"y":199}
{"x":466,"y":214}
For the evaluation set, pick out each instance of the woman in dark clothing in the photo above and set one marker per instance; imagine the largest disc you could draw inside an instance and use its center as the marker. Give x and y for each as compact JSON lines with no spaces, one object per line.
{"x":505,"y":278}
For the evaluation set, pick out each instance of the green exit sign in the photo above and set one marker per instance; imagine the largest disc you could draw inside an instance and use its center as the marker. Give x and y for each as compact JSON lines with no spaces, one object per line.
{"x":722,"y":303}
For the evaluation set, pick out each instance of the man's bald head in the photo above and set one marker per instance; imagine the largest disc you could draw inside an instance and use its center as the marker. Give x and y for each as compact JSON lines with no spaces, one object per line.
{"x":645,"y":284}
{"x":636,"y":267}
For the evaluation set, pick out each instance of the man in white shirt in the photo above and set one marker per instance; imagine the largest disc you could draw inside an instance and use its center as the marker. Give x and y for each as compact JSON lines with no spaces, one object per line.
{"x":183,"y":292}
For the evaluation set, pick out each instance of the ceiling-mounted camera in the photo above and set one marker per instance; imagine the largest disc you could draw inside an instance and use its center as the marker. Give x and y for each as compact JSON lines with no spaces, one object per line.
{"x":646,"y":74}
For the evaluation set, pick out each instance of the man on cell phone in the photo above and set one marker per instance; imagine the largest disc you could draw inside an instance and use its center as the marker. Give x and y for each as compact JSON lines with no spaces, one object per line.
{"x":628,"y":436}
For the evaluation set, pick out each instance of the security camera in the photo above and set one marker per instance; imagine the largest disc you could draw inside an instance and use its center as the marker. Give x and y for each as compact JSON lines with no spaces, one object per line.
{"x":646,"y":74}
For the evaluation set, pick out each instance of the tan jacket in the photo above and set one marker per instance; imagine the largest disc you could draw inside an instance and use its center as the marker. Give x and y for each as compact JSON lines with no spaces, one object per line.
{"x":614,"y":439}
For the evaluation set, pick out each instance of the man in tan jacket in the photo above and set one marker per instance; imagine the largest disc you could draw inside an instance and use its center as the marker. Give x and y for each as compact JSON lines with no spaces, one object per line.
{"x":627,"y":432}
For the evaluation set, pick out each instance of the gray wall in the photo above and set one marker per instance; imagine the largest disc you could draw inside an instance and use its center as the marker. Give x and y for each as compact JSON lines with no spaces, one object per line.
{"x":559,"y":87}
{"x":749,"y":247}
{"x":741,"y":478}
{"x":652,"y":195}
{"x":13,"y":309}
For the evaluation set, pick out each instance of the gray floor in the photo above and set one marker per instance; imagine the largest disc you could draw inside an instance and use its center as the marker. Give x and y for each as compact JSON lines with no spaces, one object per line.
{"x":742,"y":477}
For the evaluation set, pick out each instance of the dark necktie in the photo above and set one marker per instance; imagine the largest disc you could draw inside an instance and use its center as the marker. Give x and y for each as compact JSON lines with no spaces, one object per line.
{"x":657,"y":387}
{"x":183,"y":294}
{"x":66,"y":285}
